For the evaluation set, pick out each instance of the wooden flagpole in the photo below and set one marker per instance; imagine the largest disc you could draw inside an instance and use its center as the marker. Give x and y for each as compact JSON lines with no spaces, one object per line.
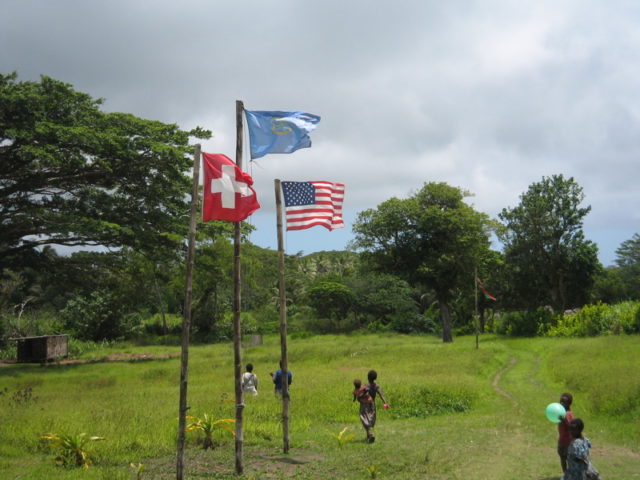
{"x":237,"y":338}
{"x":186,"y":322}
{"x":476,"y":317}
{"x":283,"y":322}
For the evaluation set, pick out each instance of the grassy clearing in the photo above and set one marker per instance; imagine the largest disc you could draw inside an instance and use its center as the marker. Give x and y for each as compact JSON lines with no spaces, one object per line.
{"x":446,"y":421}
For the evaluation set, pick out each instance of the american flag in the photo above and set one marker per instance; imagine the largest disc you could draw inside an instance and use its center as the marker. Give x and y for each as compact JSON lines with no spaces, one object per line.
{"x":308,"y":204}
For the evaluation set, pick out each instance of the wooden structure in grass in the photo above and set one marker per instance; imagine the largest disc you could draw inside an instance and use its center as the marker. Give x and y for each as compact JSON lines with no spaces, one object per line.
{"x":45,"y":348}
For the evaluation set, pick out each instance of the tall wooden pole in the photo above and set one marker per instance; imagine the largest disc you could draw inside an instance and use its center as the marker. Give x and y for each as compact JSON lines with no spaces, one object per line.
{"x":186,"y":322}
{"x":475,"y":316}
{"x":283,"y":323}
{"x":237,"y":338}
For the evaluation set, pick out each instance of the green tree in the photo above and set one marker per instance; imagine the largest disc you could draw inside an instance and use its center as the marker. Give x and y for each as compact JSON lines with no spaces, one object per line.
{"x":330,"y":299}
{"x":491,"y":274}
{"x":432,"y":239}
{"x":385,"y":300}
{"x":97,"y":317}
{"x":609,"y":287}
{"x":548,"y":259}
{"x":628,"y":261}
{"x":628,"y":253}
{"x":73,"y":175}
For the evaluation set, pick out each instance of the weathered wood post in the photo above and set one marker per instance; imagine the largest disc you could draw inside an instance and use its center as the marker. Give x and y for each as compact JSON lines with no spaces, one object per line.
{"x":186,"y":322}
{"x":283,"y":322}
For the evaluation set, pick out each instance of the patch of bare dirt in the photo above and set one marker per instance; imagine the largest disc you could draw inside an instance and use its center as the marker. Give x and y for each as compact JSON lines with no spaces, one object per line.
{"x":113,"y":357}
{"x":610,"y":451}
{"x":258,"y":464}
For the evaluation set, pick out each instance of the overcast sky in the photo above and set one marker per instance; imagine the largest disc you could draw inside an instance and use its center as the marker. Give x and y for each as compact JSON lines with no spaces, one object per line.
{"x":487,"y":95}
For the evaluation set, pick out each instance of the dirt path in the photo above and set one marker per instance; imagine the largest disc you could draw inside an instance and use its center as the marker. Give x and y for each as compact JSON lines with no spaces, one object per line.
{"x":496,"y":382}
{"x":523,"y":434}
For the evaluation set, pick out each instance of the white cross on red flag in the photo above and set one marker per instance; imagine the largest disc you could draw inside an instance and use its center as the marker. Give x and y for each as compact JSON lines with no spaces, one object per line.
{"x":227,"y":190}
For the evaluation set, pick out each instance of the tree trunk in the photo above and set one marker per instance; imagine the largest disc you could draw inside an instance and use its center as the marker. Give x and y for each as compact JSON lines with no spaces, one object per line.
{"x":445,"y":316}
{"x":165,"y":328}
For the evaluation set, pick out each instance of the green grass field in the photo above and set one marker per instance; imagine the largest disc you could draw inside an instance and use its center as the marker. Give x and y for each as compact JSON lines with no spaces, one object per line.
{"x":457,"y":412}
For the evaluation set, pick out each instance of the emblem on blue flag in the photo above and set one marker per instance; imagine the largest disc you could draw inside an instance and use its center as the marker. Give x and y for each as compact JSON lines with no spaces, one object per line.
{"x":279,"y":132}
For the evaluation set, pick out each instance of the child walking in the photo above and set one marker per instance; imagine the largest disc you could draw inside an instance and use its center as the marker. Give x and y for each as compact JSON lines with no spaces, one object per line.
{"x":249,"y":381}
{"x":579,"y":464}
{"x":366,"y":395}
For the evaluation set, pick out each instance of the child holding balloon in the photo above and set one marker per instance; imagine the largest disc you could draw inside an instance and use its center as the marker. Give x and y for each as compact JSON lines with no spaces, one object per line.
{"x":564,"y":434}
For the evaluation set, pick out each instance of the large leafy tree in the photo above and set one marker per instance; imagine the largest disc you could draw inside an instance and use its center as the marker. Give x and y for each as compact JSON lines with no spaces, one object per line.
{"x":433,"y":239}
{"x":628,"y":261}
{"x":386,"y":301}
{"x":73,"y":175}
{"x":548,"y":259}
{"x":628,"y":253}
{"x":330,"y":299}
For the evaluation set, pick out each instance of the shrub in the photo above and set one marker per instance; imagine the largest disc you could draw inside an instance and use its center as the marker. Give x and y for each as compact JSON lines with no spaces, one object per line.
{"x":81,"y":348}
{"x":623,"y":318}
{"x":413,"y":323}
{"x":268,"y":319}
{"x":97,"y":317}
{"x":208,"y":425}
{"x":154,"y":325}
{"x":330,"y":299}
{"x":599,"y":319}
{"x":526,"y":324}
{"x":330,"y":325}
{"x":72,"y":449}
{"x":30,"y":323}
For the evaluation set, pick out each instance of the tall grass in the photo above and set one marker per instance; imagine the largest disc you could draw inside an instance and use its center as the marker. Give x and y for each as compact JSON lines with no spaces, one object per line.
{"x":603,"y":370}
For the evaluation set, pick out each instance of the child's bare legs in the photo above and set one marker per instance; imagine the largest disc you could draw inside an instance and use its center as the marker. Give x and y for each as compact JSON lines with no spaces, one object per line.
{"x":370,"y":437}
{"x":562,"y":452}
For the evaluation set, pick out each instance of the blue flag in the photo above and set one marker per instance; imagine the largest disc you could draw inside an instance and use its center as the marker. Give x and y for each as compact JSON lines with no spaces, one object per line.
{"x":279,"y":132}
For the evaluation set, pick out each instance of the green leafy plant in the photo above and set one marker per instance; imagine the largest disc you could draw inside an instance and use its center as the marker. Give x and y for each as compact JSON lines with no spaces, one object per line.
{"x":372,"y":469}
{"x":72,"y":449}
{"x":207,"y":425}
{"x":342,"y":437}
{"x":23,"y":396}
{"x":137,"y":468}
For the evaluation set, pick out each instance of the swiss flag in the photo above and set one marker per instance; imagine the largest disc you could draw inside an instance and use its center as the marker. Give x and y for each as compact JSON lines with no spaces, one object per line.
{"x":227,"y":190}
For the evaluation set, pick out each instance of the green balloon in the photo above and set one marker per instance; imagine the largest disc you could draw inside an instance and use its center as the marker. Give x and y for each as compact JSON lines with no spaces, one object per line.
{"x":555,"y":411}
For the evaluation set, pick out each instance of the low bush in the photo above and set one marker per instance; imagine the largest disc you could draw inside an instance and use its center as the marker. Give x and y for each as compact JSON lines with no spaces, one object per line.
{"x":599,"y":319}
{"x":413,"y":323}
{"x":28,"y":324}
{"x":154,"y":325}
{"x":330,"y":325}
{"x":98,"y":316}
{"x":525,"y":324}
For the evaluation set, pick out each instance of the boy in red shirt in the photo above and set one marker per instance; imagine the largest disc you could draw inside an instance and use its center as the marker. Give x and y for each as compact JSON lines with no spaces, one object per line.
{"x":564,"y":434}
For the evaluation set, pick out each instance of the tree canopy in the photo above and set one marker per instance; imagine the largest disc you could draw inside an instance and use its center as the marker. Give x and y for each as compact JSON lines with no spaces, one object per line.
{"x":628,"y":253}
{"x":73,"y":175}
{"x":628,"y":261}
{"x":432,"y":239}
{"x":549,"y":261}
